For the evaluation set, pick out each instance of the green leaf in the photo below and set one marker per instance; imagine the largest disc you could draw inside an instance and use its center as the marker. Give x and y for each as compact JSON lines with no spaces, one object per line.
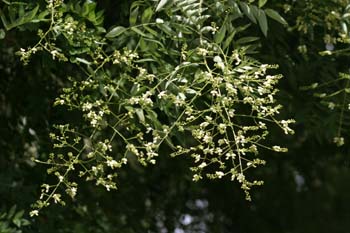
{"x":11,"y":212}
{"x":185,"y":29}
{"x":276,"y":16}
{"x":135,"y":88}
{"x":4,"y":21}
{"x":170,"y":143}
{"x":88,"y":7}
{"x":247,"y":11}
{"x":17,"y":222}
{"x":21,"y":11}
{"x":191,"y":91}
{"x":229,"y":40}
{"x":91,"y":16}
{"x":147,"y":15}
{"x":247,"y":39}
{"x":220,"y":35}
{"x":133,"y":16}
{"x":255,"y":11}
{"x":151,"y":31}
{"x":100,"y":30}
{"x":41,"y":17}
{"x":3,"y":216}
{"x":262,"y":3}
{"x":82,"y":60}
{"x":144,"y":60}
{"x":242,"y":28}
{"x":152,"y":115}
{"x":346,"y":15}
{"x":140,"y":115}
{"x":23,"y":19}
{"x":17,"y":219}
{"x":75,"y":51}
{"x":154,"y":41}
{"x":2,"y":34}
{"x":116,"y":31}
{"x":162,"y":4}
{"x":344,"y":27}
{"x":19,"y":214}
{"x":138,"y":31}
{"x":165,"y":28}
{"x":263,"y":22}
{"x":30,"y":15}
{"x":25,"y":222}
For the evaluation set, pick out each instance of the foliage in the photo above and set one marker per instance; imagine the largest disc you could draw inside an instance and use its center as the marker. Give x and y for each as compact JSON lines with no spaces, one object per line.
{"x":215,"y":97}
{"x":194,"y":80}
{"x":330,"y":21}
{"x":12,"y":221}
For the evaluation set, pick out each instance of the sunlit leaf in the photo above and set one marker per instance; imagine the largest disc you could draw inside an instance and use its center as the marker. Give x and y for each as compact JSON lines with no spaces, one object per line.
{"x":275,"y":16}
{"x":116,"y":31}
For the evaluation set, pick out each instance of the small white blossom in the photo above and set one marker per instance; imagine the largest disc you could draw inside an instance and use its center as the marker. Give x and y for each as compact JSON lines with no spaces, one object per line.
{"x":196,"y":177}
{"x":219,"y":174}
{"x":72,"y":192}
{"x":202,"y":165}
{"x":339,"y":141}
{"x":113,"y":164}
{"x":56,"y":197}
{"x":279,"y":149}
{"x":34,"y":213}
{"x":161,"y":94}
{"x":159,"y":21}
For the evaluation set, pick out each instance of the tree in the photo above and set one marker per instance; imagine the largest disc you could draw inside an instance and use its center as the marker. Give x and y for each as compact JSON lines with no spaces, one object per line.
{"x":194,"y":80}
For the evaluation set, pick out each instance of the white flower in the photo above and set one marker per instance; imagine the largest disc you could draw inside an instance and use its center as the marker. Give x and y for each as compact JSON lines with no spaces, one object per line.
{"x":72,"y":192}
{"x":219,"y":63}
{"x":207,"y":138}
{"x":113,"y":164}
{"x":204,"y":124}
{"x":240,"y":177}
{"x":279,"y":149}
{"x":159,"y":21}
{"x":34,"y":213}
{"x":47,"y":188}
{"x":230,"y":155}
{"x":217,"y":59}
{"x":196,"y":177}
{"x":339,"y":141}
{"x":222,"y":128}
{"x":124,"y":160}
{"x":54,"y":54}
{"x":331,"y":105}
{"x":161,"y":94}
{"x":202,"y":165}
{"x":93,"y":122}
{"x":87,"y":106}
{"x":219,"y":174}
{"x":56,"y":197}
{"x":202,"y":51}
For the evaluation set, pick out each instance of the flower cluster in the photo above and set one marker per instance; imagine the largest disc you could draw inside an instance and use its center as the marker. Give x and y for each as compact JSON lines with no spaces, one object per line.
{"x":213,"y":106}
